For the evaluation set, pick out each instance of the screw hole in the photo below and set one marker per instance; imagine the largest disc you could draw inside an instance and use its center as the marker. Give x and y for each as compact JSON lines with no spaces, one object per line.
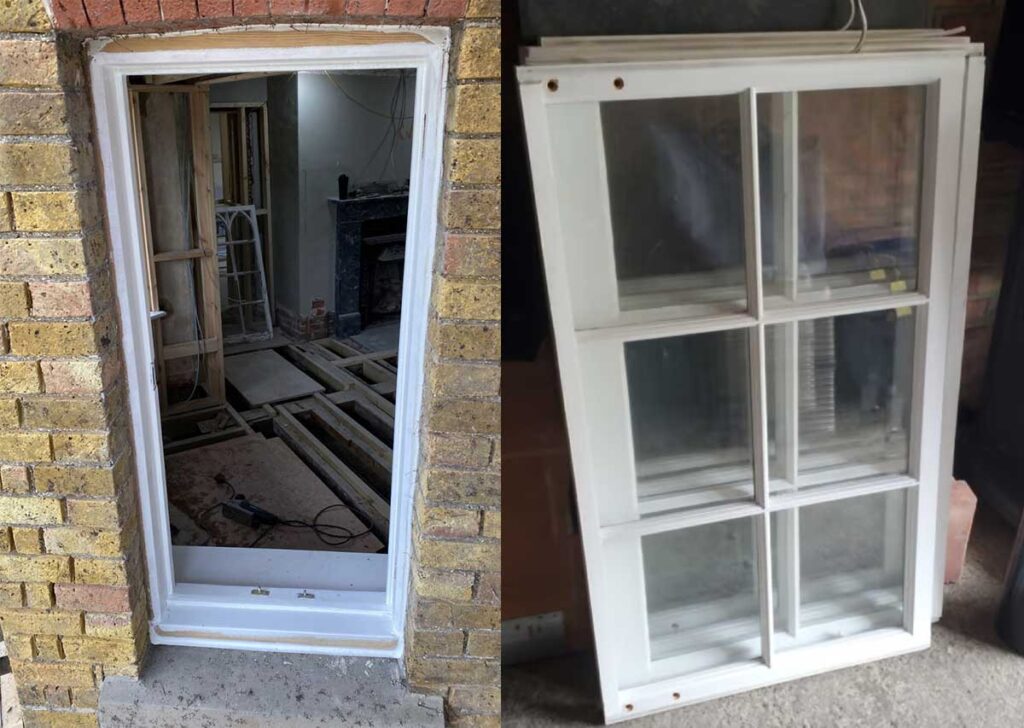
{"x":618,"y":83}
{"x":552,"y":85}
{"x":629,"y":707}
{"x":675,"y":696}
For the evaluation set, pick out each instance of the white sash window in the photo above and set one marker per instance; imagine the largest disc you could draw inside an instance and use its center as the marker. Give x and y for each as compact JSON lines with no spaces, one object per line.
{"x":757,"y":272}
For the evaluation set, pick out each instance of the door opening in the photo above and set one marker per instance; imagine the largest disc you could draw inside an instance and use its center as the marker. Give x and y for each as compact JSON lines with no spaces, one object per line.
{"x":276,"y":244}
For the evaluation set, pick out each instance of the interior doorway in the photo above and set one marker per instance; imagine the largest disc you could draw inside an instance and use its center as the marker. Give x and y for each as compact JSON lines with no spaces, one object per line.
{"x":277,"y":237}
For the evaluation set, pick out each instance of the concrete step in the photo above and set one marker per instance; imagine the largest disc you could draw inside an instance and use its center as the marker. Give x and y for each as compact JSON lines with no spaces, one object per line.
{"x":210,"y":688}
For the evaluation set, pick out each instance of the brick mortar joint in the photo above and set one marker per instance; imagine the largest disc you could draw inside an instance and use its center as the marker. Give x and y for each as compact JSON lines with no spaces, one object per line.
{"x":47,"y":37}
{"x":452,"y":320}
{"x":470,"y":469}
{"x":480,"y":540}
{"x":471,"y":362}
{"x":63,"y":140}
{"x":471,"y":136}
{"x":472,"y":231}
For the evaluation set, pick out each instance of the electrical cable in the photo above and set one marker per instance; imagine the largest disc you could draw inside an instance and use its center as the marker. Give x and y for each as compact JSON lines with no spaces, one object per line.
{"x":857,"y":8}
{"x":863,"y":26}
{"x":329,"y":533}
{"x":853,"y":14}
{"x":356,"y":101}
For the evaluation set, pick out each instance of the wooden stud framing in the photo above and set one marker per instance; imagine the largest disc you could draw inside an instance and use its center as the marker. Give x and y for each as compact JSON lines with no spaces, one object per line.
{"x":213,"y":361}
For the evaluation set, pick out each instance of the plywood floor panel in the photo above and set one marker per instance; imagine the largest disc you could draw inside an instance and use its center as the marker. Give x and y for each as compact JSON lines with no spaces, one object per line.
{"x":265,"y":377}
{"x":270,"y":476}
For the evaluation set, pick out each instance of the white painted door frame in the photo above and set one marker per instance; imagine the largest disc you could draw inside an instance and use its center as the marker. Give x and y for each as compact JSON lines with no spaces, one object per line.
{"x":208,"y":596}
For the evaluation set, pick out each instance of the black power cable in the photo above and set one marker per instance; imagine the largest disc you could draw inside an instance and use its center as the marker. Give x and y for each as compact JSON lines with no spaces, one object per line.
{"x":330,"y":534}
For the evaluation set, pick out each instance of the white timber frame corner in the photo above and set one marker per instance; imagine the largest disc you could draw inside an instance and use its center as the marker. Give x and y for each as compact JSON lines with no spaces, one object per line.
{"x":561,"y":84}
{"x":259,"y":599}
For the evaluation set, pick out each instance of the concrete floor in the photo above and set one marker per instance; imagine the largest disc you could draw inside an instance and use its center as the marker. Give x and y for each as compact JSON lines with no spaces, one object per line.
{"x":967,"y":678}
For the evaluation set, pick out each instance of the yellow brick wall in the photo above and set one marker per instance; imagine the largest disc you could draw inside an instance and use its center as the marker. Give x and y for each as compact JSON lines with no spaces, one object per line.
{"x":72,"y":585}
{"x":454,"y":638}
{"x":72,"y":580}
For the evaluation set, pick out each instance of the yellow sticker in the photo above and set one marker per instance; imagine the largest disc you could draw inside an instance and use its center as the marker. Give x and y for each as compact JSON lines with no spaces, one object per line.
{"x":898,"y":286}
{"x":878,"y":274}
{"x":904,"y":311}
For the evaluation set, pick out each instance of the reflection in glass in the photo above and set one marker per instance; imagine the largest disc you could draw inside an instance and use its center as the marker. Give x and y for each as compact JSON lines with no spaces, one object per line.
{"x":851,"y":556}
{"x":676,"y":194}
{"x":858,"y":166}
{"x":854,"y":380}
{"x":690,"y":415}
{"x":702,"y":599}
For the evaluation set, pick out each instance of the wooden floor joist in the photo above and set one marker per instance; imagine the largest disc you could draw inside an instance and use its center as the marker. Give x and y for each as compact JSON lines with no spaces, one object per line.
{"x":371,"y":454}
{"x":345,"y":483}
{"x":308,"y":357}
{"x":231,"y":425}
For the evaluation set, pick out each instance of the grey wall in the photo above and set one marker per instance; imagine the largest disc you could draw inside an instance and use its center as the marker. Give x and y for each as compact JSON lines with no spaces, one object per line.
{"x":283,"y":138}
{"x":342,"y":131}
{"x":614,"y":17}
{"x":251,"y":91}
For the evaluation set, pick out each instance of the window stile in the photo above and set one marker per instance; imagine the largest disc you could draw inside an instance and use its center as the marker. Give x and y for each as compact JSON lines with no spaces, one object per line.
{"x":938,"y":225}
{"x":577,"y":150}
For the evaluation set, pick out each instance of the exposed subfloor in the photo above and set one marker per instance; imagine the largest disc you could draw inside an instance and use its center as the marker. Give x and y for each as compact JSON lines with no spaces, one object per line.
{"x":967,"y":678}
{"x":209,"y":688}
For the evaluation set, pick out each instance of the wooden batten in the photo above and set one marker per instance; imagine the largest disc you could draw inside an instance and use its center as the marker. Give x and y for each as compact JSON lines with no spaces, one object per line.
{"x":199,"y":106}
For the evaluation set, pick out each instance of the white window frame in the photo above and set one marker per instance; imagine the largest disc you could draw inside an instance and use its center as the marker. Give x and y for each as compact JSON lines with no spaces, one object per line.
{"x":360,"y":600}
{"x":570,"y":188}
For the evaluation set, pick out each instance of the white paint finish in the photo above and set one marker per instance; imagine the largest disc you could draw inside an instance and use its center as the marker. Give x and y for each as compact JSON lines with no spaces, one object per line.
{"x":969,"y":142}
{"x":109,"y":73}
{"x":577,"y":146}
{"x":556,"y":270}
{"x":581,"y":84}
{"x":610,"y":527}
{"x":281,"y":568}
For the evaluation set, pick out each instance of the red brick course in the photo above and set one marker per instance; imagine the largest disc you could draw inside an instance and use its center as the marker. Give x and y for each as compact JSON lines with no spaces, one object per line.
{"x":215,"y":8}
{"x":406,"y":8}
{"x":103,"y":13}
{"x":70,"y":14}
{"x":178,"y":9}
{"x":287,"y":7}
{"x":446,"y":8}
{"x":144,"y":11}
{"x":365,"y":7}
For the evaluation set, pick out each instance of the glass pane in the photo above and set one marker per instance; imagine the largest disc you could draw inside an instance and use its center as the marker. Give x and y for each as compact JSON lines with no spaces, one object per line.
{"x":853,"y":386}
{"x":702,"y":600}
{"x":690,"y":413}
{"x":851,"y":556}
{"x":676,"y":193}
{"x":855,"y":157}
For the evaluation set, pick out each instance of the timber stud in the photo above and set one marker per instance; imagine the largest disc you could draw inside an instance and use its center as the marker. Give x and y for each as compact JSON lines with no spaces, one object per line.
{"x":618,"y":83}
{"x":553,"y":85}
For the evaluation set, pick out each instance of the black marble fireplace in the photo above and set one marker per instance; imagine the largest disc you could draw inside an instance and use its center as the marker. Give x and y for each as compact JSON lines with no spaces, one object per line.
{"x":369,"y":260}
